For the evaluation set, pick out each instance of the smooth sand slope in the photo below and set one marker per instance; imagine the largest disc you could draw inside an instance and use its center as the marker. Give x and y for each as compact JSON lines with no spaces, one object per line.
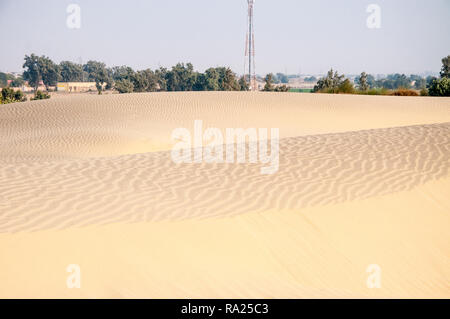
{"x":89,"y":180}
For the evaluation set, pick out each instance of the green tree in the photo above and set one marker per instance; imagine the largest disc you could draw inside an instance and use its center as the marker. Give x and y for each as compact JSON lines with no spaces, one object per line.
{"x":122,"y":73}
{"x":32,"y":72}
{"x":346,"y":87}
{"x":330,"y":83}
{"x":212,"y":80}
{"x":161,"y":75}
{"x":439,"y":87}
{"x":145,"y":81}
{"x":268,"y":87}
{"x":362,"y":82}
{"x":227,"y":80}
{"x":429,"y":79}
{"x":49,"y":71}
{"x":200,"y":82}
{"x":445,"y":70}
{"x":181,"y":77}
{"x":39,"y":69}
{"x":98,"y":73}
{"x":124,"y":86}
{"x":71,"y":72}
{"x":395,"y":81}
{"x":243,"y":84}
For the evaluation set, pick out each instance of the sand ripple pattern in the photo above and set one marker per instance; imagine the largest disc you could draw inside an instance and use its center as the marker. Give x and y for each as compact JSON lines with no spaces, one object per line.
{"x":314,"y":170}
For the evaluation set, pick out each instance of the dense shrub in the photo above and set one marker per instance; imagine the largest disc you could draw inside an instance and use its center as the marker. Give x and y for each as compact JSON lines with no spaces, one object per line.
{"x":394,"y":81}
{"x":424,"y":92}
{"x":10,"y":96}
{"x":282,"y":88}
{"x":124,"y":86}
{"x":346,"y":87}
{"x":39,"y":95}
{"x":330,"y":83}
{"x":439,"y":87}
{"x":404,"y":92}
{"x":19,"y":96}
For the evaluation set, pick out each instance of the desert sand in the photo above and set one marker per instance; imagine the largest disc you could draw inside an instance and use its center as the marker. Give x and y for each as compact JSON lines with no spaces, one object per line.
{"x":89,"y":180}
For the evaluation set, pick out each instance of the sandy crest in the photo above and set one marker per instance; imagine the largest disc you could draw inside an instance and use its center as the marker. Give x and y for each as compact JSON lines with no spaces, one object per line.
{"x":89,"y":180}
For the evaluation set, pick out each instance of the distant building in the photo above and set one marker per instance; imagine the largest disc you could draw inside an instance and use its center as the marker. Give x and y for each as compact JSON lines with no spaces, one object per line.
{"x":76,"y":87}
{"x":27,"y":88}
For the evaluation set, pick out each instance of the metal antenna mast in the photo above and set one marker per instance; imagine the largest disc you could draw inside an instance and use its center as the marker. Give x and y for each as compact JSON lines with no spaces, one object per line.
{"x":250,"y":49}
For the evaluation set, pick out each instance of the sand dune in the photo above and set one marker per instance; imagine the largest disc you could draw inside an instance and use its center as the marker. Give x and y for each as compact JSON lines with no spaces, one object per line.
{"x":96,"y":126}
{"x":314,"y":170}
{"x":89,"y":180}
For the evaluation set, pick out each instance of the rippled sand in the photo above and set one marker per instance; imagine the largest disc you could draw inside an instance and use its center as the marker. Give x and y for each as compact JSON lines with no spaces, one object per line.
{"x":89,"y":180}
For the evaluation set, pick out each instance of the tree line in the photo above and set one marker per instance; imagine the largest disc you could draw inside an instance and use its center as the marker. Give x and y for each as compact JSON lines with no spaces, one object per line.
{"x":183,"y":77}
{"x":394,"y":84}
{"x":124,"y":79}
{"x":394,"y":81}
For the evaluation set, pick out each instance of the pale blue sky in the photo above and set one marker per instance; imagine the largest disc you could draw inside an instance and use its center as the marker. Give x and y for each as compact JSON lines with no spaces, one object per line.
{"x":291,"y":35}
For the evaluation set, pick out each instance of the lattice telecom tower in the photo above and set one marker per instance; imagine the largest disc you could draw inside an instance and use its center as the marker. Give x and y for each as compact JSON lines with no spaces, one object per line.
{"x":250,"y":77}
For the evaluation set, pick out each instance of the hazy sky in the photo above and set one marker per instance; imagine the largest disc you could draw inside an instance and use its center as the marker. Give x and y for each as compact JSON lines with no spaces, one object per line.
{"x":291,"y":35}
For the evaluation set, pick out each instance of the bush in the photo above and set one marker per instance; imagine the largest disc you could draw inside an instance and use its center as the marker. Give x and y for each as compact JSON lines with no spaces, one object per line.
{"x":330,"y":83}
{"x":124,"y":86}
{"x":19,"y":96}
{"x":439,"y":87}
{"x":404,"y":92}
{"x":377,"y":91}
{"x":10,"y":96}
{"x":424,"y":92}
{"x":40,"y":96}
{"x":282,"y":88}
{"x":346,"y":87}
{"x":297,"y":90}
